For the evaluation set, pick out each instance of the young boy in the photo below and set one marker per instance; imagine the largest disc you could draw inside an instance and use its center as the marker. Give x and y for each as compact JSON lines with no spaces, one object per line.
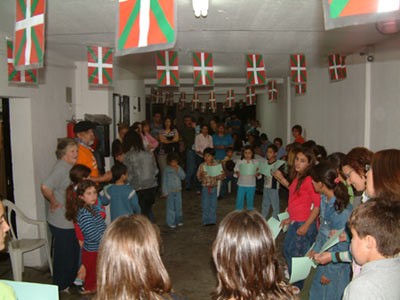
{"x":209,"y":188}
{"x":228,"y":165}
{"x":375,"y":245}
{"x":296,"y":132}
{"x":271,"y":185}
{"x":172,"y":189}
{"x":122,"y":196}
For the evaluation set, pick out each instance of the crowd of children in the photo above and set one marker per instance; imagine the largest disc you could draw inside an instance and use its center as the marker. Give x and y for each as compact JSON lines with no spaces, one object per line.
{"x":320,"y":203}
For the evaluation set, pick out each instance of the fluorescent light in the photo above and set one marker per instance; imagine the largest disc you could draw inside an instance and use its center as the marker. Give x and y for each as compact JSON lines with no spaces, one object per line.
{"x":388,"y":5}
{"x":200,"y":8}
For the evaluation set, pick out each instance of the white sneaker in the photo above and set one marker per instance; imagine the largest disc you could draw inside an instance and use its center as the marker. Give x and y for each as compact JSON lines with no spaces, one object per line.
{"x":180,"y":224}
{"x":171,"y":226}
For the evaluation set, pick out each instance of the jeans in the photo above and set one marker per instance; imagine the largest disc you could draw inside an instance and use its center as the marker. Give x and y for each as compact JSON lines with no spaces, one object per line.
{"x":224,"y":185}
{"x":174,"y":208}
{"x":147,"y":198}
{"x":198,"y":160}
{"x":65,"y":257}
{"x":248,"y":193}
{"x":297,"y":245}
{"x":209,"y":205}
{"x":190,"y":168}
{"x":270,"y":197}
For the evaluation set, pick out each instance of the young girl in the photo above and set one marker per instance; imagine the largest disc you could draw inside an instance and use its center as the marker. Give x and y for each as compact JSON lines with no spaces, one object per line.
{"x":87,"y":215}
{"x":330,"y":280}
{"x":172,"y":189}
{"x":303,"y":209}
{"x":246,"y":182}
{"x":209,"y":188}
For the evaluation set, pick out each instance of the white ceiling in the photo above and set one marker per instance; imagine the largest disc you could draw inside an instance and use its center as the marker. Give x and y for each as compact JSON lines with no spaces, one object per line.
{"x":274,"y":28}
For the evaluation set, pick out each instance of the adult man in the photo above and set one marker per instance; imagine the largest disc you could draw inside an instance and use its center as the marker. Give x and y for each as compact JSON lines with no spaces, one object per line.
{"x":85,"y":134}
{"x":188,"y":136}
{"x":156,"y":125}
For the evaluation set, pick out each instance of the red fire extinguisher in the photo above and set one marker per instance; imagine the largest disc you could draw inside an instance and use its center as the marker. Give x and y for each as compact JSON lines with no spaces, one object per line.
{"x":70,"y":128}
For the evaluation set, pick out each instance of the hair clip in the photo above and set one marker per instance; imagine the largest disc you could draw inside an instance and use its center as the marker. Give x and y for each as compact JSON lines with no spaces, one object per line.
{"x":337,"y":180}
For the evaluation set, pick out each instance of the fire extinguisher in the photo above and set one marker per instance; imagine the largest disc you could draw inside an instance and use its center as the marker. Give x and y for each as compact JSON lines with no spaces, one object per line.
{"x":70,"y":128}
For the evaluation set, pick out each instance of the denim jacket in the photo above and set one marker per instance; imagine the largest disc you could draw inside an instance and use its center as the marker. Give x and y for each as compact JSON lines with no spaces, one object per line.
{"x":172,"y":180}
{"x":331,"y":220}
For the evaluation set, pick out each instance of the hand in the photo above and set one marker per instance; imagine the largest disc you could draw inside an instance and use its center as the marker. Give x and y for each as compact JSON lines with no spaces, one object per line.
{"x":311,"y":254}
{"x":302,"y":230}
{"x":54,"y":206}
{"x":342,"y":236}
{"x":323,"y":258}
{"x":278,"y":175}
{"x":285,"y":222}
{"x":325,"y":280}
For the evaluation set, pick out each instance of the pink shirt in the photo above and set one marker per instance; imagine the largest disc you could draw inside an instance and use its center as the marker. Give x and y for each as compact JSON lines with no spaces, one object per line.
{"x":148,"y":139}
{"x":303,"y":200}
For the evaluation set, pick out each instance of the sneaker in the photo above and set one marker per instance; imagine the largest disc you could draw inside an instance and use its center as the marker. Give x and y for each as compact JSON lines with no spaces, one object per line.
{"x":180,"y":224}
{"x":198,"y":192}
{"x":171,"y":226}
{"x":66,"y":290}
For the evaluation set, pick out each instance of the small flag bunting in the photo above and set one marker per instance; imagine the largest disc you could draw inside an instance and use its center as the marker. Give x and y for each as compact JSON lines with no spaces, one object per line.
{"x":145,"y":25}
{"x":250,"y":95}
{"x":298,"y":69}
{"x":343,"y":65}
{"x":100,"y":67}
{"x":255,"y":69}
{"x":300,"y":89}
{"x":19,"y":77}
{"x":195,"y":101}
{"x":29,"y":35}
{"x":213,"y":102}
{"x":272,"y":90}
{"x":167,"y":68}
{"x":203,"y":69}
{"x":182,"y":101}
{"x":335,"y":67}
{"x":230,"y":99}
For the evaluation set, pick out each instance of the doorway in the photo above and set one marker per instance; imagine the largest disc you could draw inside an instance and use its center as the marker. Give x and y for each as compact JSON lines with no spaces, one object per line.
{"x":6,"y":178}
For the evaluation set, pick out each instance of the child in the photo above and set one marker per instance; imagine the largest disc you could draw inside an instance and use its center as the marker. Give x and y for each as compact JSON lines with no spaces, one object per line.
{"x":209,"y":188}
{"x":121,"y":195}
{"x":228,"y":165}
{"x":172,"y":189}
{"x":246,"y":182}
{"x":303,"y":209}
{"x":87,"y":215}
{"x":375,"y":245}
{"x":271,"y":184}
{"x":330,"y":280}
{"x":296,"y":132}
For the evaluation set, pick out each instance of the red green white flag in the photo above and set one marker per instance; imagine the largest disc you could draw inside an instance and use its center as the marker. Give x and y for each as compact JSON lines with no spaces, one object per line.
{"x":195,"y":101}
{"x":255,"y":69}
{"x":298,"y":69}
{"x":100,"y":65}
{"x":169,"y":99}
{"x":230,"y":99}
{"x":335,"y":67}
{"x":272,"y":90}
{"x":203,"y":107}
{"x":15,"y":76}
{"x":29,"y":34}
{"x":167,"y":68}
{"x":343,"y":66}
{"x":182,"y":101}
{"x":250,"y":95}
{"x":300,"y":89}
{"x":203,"y":69}
{"x":146,"y":25}
{"x":213,"y":102}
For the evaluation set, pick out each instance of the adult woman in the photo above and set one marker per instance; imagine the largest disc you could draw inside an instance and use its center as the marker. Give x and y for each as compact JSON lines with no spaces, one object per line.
{"x":142,"y":171}
{"x":245,"y":259}
{"x":116,"y":147}
{"x":149,"y":142}
{"x":137,"y":272}
{"x":169,"y":138}
{"x":66,"y":247}
{"x":221,"y":141}
{"x":202,"y":141}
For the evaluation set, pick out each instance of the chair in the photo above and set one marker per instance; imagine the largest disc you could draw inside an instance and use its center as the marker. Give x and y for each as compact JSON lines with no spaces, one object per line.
{"x":17,"y":247}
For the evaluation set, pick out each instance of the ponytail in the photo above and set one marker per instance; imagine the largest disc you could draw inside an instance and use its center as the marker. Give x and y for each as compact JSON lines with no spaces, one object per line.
{"x":342,"y":196}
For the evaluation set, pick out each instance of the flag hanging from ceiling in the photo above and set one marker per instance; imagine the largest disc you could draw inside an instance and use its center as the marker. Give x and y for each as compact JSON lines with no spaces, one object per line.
{"x":20,"y":77}
{"x":298,"y":69}
{"x":250,"y":95}
{"x":335,"y":67}
{"x":343,"y":66}
{"x":169,"y":99}
{"x":203,"y":69}
{"x":29,"y":34}
{"x":167,"y":68}
{"x":182,"y":101}
{"x":195,"y":101}
{"x":213,"y":102}
{"x":300,"y":89}
{"x":203,"y":107}
{"x":145,"y":25}
{"x":255,"y":69}
{"x":100,"y":65}
{"x":272,"y":90}
{"x":230,"y":99}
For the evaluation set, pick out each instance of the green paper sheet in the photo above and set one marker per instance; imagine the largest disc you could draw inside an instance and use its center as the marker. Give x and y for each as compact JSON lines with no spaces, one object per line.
{"x":333,"y":240}
{"x":284,"y":216}
{"x":33,"y":291}
{"x":248,"y":169}
{"x":274,"y":226}
{"x":213,"y":170}
{"x":301,"y":267}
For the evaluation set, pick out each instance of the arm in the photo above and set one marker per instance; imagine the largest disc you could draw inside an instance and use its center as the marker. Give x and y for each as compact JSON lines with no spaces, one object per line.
{"x":176,"y":137}
{"x":304,"y":228}
{"x":49,"y":195}
{"x":103,"y":178}
{"x":89,"y":228}
{"x":104,"y":197}
{"x":133,"y":198}
{"x":181,"y":173}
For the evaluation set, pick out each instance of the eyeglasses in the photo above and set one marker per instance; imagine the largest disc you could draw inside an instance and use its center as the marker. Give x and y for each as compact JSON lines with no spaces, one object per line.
{"x":348,"y":174}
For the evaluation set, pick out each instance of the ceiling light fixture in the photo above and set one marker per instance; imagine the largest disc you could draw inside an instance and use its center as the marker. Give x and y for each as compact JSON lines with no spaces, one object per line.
{"x":200,"y":8}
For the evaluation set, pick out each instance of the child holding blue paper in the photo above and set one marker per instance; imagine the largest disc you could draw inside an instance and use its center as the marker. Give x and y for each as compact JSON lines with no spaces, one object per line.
{"x":209,"y":187}
{"x":246,"y":170}
{"x":330,"y":280}
{"x":271,"y":184}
